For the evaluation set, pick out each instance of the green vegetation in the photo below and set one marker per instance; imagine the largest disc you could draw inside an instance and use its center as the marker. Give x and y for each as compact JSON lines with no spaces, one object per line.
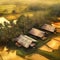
{"x":55,"y":55}
{"x":24,"y":23}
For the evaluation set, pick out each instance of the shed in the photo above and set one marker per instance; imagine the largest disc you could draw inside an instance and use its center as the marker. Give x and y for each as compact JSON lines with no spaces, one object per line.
{"x":48,"y":27}
{"x":37,"y":32}
{"x":25,"y":40}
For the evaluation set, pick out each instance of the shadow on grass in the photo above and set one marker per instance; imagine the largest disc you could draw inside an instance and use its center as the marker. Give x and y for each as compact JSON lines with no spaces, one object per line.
{"x":29,"y":51}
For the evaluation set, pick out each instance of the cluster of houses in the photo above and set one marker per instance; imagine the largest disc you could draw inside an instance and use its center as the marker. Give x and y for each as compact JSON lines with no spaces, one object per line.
{"x":27,"y":41}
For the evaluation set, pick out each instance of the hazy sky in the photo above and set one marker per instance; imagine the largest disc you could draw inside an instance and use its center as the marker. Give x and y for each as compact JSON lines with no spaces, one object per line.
{"x":30,"y":1}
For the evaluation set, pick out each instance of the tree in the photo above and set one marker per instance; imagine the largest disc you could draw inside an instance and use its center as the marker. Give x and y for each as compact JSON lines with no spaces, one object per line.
{"x":13,"y":12}
{"x":24,"y":23}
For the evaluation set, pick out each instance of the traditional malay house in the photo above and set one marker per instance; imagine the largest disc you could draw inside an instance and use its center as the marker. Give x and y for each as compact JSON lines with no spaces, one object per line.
{"x":25,"y":41}
{"x":48,"y":27}
{"x":38,"y":33}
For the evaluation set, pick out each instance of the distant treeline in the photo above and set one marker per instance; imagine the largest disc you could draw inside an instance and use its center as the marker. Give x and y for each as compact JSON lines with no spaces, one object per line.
{"x":5,"y":9}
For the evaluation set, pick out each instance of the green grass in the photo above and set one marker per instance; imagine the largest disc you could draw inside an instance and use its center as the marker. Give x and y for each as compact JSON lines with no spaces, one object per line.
{"x":23,"y":51}
{"x":55,"y":55}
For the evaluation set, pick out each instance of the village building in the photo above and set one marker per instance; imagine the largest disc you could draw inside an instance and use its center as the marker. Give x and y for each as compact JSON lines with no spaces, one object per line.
{"x":48,"y":27}
{"x":38,"y":33}
{"x":25,"y":41}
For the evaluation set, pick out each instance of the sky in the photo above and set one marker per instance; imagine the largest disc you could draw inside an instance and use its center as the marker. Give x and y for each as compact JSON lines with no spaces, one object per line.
{"x":30,"y":1}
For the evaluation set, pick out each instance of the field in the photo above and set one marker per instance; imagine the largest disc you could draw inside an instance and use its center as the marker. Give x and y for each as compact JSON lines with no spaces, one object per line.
{"x":27,"y":16}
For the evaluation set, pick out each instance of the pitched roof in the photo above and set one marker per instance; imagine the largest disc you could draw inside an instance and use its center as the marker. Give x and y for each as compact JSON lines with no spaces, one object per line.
{"x":48,"y":27}
{"x":25,"y":41}
{"x":37,"y":32}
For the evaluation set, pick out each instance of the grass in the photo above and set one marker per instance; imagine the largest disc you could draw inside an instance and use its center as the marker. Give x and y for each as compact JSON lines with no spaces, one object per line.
{"x":49,"y":55}
{"x":23,"y":51}
{"x":55,"y":55}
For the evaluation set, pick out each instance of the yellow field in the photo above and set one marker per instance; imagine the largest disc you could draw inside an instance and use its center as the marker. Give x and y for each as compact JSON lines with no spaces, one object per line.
{"x":11,"y":55}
